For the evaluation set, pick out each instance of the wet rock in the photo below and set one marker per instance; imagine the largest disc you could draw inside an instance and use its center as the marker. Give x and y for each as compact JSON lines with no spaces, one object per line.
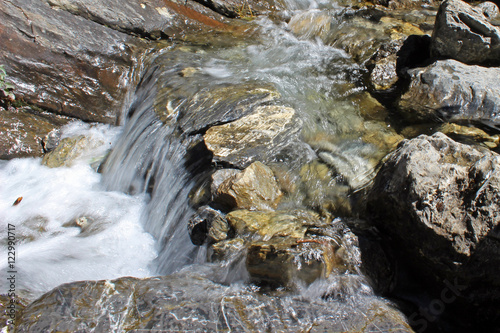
{"x":271,"y":132}
{"x":348,"y":160}
{"x":323,"y":190}
{"x":452,"y":91}
{"x":311,"y":24}
{"x":65,"y":63}
{"x":51,"y":140}
{"x":10,"y":307}
{"x":363,"y":37}
{"x":227,"y":249}
{"x":73,"y":149}
{"x":272,"y":223}
{"x":207,"y":224}
{"x":227,"y":102}
{"x":254,"y":188}
{"x":155,"y":19}
{"x":464,"y":33}
{"x":285,"y":261}
{"x":22,"y":131}
{"x":219,"y":176}
{"x":187,"y":302}
{"x":438,"y":201}
{"x":242,"y":8}
{"x":469,"y":134}
{"x":381,"y":135}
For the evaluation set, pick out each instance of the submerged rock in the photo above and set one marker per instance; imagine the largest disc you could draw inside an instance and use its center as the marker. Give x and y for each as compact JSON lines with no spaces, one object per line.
{"x":22,"y":131}
{"x":188,"y":302}
{"x":464,"y":33}
{"x":254,"y":188}
{"x":65,"y":63}
{"x":438,"y":200}
{"x":452,"y":91}
{"x":265,"y":135}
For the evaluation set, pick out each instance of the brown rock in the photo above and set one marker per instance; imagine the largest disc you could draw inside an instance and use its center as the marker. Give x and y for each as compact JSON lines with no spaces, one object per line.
{"x":255,"y":188}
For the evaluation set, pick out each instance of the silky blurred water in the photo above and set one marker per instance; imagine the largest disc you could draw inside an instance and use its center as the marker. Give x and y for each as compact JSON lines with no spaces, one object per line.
{"x":74,"y":223}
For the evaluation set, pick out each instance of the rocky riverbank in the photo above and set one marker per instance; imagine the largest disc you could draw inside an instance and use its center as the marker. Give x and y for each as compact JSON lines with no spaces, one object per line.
{"x":308,"y":217}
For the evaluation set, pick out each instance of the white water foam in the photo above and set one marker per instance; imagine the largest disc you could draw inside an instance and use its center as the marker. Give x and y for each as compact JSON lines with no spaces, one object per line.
{"x":51,"y":248}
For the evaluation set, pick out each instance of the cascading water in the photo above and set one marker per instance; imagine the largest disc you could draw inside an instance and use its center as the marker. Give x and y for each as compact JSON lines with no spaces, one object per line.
{"x":149,"y":159}
{"x":140,"y":206}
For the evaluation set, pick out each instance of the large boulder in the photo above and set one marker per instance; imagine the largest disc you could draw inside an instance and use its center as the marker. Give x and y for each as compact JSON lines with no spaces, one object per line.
{"x":438,"y":201}
{"x":465,"y":33}
{"x":188,"y":302}
{"x":449,"y":90}
{"x":155,"y":19}
{"x":65,"y":63}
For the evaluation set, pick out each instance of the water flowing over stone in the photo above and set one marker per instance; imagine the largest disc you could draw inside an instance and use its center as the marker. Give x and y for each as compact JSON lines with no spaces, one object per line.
{"x":244,"y":141}
{"x":191,"y":302}
{"x":151,"y":160}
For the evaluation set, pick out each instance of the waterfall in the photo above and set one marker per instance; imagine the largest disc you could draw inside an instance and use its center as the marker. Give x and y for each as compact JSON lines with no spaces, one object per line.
{"x":149,"y":158}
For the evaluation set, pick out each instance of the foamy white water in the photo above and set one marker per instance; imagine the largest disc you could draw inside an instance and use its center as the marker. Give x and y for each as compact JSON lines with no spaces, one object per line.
{"x":51,"y":248}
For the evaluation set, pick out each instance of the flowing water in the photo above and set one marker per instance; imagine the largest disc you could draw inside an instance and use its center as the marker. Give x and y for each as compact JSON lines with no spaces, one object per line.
{"x":74,"y":223}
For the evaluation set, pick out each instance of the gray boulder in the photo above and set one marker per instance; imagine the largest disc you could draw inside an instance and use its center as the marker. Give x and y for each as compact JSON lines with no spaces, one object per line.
{"x":452,"y":91}
{"x":191,"y":303}
{"x":464,"y":33}
{"x":438,"y":200}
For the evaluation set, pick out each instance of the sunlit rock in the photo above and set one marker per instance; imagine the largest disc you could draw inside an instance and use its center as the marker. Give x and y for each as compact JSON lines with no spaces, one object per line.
{"x":449,"y":90}
{"x":219,"y":177}
{"x":272,"y":223}
{"x":22,"y":131}
{"x":465,"y":33}
{"x":255,"y":188}
{"x":220,"y":104}
{"x":69,"y":150}
{"x":438,"y":200}
{"x":262,"y":135}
